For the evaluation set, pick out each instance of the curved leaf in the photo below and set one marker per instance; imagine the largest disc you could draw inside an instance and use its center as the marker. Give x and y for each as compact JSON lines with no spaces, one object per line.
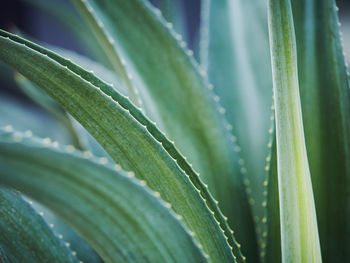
{"x":96,"y":200}
{"x":77,"y":244}
{"x":24,"y":236}
{"x":174,"y":93}
{"x":299,"y":233}
{"x":129,"y":138}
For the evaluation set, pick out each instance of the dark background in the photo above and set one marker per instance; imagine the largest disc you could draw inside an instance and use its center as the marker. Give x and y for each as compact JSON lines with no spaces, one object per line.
{"x":20,"y":14}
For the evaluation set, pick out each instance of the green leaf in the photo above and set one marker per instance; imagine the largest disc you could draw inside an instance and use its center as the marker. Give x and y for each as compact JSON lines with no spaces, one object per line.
{"x":98,"y":204}
{"x":299,"y":233}
{"x":325,"y":99}
{"x":129,"y":138}
{"x":80,"y":137}
{"x":51,"y":106}
{"x":77,"y":244}
{"x":173,"y":92}
{"x":230,"y":31}
{"x":24,"y":236}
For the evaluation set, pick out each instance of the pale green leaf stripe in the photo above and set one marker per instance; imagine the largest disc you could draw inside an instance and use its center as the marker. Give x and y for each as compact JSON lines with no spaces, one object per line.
{"x":129,"y":138}
{"x":174,"y":93}
{"x":299,"y":233}
{"x":24,"y":235}
{"x":121,"y":218}
{"x":325,"y":100}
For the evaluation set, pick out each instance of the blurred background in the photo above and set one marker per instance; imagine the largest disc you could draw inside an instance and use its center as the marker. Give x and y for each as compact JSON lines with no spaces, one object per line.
{"x":41,"y":25}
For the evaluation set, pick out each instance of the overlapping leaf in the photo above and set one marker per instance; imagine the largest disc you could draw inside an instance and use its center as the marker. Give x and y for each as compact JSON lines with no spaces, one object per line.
{"x":172,"y":92}
{"x":122,"y":219}
{"x":129,"y":138}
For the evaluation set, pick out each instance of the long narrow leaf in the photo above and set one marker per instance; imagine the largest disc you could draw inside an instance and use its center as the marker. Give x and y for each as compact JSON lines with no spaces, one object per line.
{"x":299,"y":233}
{"x":24,"y":235}
{"x":174,"y":93}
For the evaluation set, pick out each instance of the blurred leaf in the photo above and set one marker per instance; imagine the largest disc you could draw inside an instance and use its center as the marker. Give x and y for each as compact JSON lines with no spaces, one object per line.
{"x":127,"y":135}
{"x":325,"y":98}
{"x":24,"y":236}
{"x":76,"y":243}
{"x":299,"y":233}
{"x":25,"y":117}
{"x":175,"y":13}
{"x":98,"y":204}
{"x":65,"y":15}
{"x":230,"y":31}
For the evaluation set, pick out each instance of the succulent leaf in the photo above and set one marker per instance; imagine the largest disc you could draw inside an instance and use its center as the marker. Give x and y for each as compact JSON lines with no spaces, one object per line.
{"x":128,"y":136}
{"x":173,"y":92}
{"x":24,"y":235}
{"x":299,"y":232}
{"x":96,"y":200}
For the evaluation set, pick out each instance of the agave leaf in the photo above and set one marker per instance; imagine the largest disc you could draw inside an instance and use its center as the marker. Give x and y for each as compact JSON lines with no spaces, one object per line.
{"x":325,"y":99}
{"x":230,"y":31}
{"x":173,"y":92}
{"x":24,"y":236}
{"x":299,"y":233}
{"x":77,"y":244}
{"x":129,"y":138}
{"x":51,"y":106}
{"x":98,"y":204}
{"x":81,"y":138}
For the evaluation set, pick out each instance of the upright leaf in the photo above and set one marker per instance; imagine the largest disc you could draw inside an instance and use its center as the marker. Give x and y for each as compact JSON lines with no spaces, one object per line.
{"x":24,"y":236}
{"x":230,"y":31}
{"x":173,"y":93}
{"x":299,"y":233}
{"x":325,"y":98}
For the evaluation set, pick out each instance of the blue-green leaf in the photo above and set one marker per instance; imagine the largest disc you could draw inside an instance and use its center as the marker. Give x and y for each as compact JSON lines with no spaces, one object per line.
{"x":128,"y":136}
{"x":24,"y":235}
{"x":96,"y":200}
{"x":173,"y":92}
